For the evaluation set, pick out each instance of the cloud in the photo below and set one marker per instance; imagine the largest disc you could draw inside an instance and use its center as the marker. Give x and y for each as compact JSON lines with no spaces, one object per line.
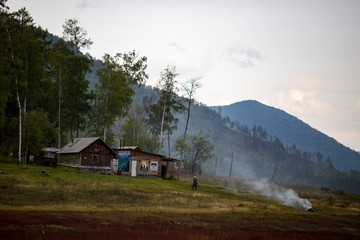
{"x":243,"y":57}
{"x":178,"y":48}
{"x":86,"y":4}
{"x":358,"y":105}
{"x":297,"y":95}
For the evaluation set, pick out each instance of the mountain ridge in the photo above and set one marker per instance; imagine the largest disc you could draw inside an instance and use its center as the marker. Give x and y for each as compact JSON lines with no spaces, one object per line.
{"x":291,"y":130}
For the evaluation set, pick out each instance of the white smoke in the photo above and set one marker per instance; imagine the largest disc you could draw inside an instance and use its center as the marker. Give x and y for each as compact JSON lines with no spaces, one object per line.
{"x":282,"y":195}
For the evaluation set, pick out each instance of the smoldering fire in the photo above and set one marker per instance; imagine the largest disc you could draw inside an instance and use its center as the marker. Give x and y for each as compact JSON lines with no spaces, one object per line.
{"x":282,"y":195}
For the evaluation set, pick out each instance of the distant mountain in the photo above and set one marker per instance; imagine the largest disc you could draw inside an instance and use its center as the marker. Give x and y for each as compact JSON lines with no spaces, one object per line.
{"x":291,"y":130}
{"x":253,"y":157}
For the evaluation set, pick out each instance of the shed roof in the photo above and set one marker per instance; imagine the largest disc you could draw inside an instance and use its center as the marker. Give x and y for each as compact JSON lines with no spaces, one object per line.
{"x":128,"y":148}
{"x":136,"y":148}
{"x":50,"y":149}
{"x":78,"y":144}
{"x":167,"y":159}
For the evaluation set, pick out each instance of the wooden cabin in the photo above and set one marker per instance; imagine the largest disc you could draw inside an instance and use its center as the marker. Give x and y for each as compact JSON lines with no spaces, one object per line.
{"x":89,"y":154}
{"x":134,"y":162}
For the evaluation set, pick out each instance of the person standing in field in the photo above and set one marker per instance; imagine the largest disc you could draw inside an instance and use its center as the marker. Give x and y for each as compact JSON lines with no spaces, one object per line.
{"x":194,"y":184}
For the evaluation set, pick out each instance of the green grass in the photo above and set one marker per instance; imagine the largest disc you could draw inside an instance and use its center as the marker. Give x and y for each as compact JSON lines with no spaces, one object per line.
{"x":24,"y":187}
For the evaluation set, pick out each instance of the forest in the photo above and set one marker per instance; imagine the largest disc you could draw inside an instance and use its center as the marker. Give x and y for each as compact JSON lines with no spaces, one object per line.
{"x":48,"y":97}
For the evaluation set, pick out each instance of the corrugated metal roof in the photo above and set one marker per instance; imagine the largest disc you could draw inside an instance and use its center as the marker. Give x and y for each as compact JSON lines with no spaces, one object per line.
{"x":128,"y":148}
{"x":77,"y":145}
{"x":136,"y":148}
{"x":50,"y":149}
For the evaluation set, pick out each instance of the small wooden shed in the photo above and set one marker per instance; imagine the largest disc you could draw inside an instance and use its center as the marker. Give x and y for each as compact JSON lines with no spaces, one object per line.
{"x":47,"y":157}
{"x":134,"y":162}
{"x":89,"y":154}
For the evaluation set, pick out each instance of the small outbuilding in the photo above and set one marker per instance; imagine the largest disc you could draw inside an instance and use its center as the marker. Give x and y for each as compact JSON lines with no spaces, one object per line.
{"x":89,"y":154}
{"x":47,"y":157}
{"x":134,"y":162}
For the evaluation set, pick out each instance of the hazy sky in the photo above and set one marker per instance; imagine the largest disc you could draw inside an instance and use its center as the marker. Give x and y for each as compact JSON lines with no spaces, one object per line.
{"x":302,"y":56}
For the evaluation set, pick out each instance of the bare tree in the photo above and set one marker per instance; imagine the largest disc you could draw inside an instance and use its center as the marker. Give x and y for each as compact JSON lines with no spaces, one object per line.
{"x":190,"y":88}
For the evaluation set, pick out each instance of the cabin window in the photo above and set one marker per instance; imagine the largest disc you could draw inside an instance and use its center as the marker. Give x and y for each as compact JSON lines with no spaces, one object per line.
{"x":95,"y":159}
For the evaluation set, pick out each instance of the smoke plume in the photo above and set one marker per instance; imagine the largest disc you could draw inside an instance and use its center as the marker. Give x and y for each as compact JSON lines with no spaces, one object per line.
{"x":280,"y":194}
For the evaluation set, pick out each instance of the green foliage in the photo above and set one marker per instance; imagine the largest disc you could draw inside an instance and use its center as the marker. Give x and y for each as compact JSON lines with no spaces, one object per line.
{"x":76,"y":105}
{"x":38,"y":132}
{"x":114,"y":93}
{"x":196,"y":149}
{"x":75,"y":35}
{"x":134,"y":68}
{"x":135,"y":130}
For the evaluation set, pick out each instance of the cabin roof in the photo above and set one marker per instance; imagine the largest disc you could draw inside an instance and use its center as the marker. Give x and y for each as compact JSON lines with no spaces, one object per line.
{"x":79,"y":144}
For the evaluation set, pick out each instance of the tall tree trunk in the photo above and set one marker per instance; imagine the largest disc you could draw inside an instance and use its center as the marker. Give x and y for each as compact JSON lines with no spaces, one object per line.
{"x":59,"y":110}
{"x":186,"y":128}
{"x":107,"y":105}
{"x":25,"y":105}
{"x":17,"y":93}
{"x":161,"y":129}
{"x":104,"y":133}
{"x":168,"y":133}
{"x":188,"y":118}
{"x":77,"y":124}
{"x":20,"y":118}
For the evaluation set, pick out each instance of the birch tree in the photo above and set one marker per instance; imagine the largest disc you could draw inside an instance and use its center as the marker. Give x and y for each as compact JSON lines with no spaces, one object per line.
{"x":161,"y":113}
{"x":114,"y":93}
{"x":190,"y":88}
{"x":17,"y":26}
{"x":58,"y":59}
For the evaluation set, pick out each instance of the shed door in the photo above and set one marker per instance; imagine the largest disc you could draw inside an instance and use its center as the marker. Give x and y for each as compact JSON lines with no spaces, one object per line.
{"x":133,"y":168}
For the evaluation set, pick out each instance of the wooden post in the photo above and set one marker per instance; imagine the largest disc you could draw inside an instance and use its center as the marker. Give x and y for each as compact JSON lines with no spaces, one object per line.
{"x":215,"y":165}
{"x":178,"y":173}
{"x":232,"y":159}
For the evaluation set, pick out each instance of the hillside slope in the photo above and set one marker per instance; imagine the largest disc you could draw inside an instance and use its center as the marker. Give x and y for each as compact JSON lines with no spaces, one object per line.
{"x":291,"y":130}
{"x":253,"y":158}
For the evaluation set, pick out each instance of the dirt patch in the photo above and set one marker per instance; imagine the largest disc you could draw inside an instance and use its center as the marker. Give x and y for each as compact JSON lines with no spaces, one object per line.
{"x":147,"y":225}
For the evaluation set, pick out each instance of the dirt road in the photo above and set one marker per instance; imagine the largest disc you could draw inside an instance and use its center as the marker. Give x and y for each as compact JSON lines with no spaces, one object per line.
{"x":132,"y":225}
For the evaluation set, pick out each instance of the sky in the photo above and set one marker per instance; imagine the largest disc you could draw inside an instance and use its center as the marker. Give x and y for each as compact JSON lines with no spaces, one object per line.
{"x":299,"y":56}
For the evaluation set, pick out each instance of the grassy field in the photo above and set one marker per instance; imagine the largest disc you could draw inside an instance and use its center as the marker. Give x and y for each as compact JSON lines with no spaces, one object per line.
{"x":25,"y":187}
{"x":217,"y":204}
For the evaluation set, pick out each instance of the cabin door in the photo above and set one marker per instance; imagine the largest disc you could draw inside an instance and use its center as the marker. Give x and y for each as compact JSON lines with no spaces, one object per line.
{"x":133,"y":168}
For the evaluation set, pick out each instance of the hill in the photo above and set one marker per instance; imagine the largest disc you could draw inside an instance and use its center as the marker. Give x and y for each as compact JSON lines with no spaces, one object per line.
{"x":255,"y":157}
{"x":291,"y":130}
